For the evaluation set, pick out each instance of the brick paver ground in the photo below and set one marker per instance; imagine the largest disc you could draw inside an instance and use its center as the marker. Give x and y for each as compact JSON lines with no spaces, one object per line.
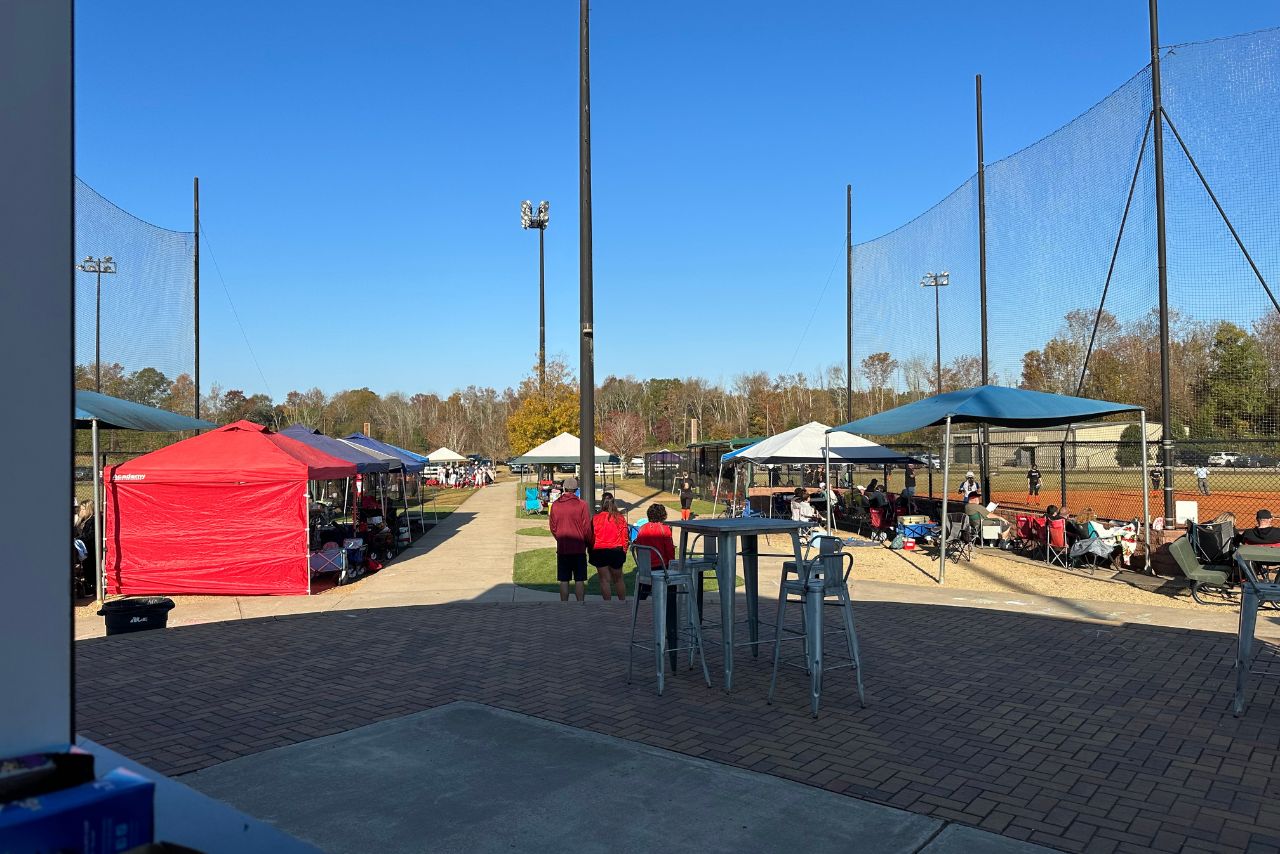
{"x":1078,"y":736}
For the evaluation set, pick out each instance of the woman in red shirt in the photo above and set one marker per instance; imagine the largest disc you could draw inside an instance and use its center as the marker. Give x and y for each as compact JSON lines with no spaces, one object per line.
{"x":609,"y":553}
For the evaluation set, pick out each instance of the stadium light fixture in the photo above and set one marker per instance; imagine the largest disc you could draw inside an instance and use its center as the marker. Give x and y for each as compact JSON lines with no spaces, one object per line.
{"x":937,"y":281}
{"x":97,"y":266}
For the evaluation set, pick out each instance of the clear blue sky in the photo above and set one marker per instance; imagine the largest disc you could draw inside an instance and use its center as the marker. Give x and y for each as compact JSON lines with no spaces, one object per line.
{"x":362,"y":165}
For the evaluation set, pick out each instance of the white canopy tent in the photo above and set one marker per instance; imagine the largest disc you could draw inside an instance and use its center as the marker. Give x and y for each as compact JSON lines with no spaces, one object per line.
{"x":444,"y":455}
{"x":807,"y":445}
{"x":563,"y":450}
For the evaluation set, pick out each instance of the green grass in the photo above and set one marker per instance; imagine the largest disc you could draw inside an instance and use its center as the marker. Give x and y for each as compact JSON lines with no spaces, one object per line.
{"x":535,"y":532}
{"x":536,"y":570}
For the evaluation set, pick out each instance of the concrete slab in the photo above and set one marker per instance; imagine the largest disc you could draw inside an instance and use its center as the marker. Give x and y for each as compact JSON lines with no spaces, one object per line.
{"x":467,"y":777}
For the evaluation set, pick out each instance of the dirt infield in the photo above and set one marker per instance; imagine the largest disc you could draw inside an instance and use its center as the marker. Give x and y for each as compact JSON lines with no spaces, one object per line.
{"x":1127,"y":503}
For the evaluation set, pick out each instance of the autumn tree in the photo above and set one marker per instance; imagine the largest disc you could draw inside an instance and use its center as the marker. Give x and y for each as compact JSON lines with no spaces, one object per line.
{"x":623,"y":434}
{"x":546,"y":412}
{"x":878,"y":368}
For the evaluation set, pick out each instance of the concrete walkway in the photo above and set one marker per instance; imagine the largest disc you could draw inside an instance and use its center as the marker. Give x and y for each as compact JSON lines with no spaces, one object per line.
{"x":466,"y":777}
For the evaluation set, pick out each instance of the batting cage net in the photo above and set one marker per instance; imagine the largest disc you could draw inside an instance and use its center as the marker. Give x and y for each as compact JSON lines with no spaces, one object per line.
{"x":135,"y":304}
{"x":1072,"y":277}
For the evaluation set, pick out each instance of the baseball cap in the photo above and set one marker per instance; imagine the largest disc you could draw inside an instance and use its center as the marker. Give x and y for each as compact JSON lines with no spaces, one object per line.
{"x":1263,"y":514}
{"x":571,"y":484}
{"x":968,"y":474}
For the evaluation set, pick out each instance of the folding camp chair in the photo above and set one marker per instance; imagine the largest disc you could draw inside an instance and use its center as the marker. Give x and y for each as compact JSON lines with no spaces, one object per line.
{"x":1056,"y":551}
{"x":1202,"y":579}
{"x":532,"y":501}
{"x":957,"y":538}
{"x":1212,"y":541}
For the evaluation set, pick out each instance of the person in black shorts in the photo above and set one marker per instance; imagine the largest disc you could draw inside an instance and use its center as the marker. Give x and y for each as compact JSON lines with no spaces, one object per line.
{"x":571,"y":526}
{"x":1033,"y":482}
{"x":686,"y":495}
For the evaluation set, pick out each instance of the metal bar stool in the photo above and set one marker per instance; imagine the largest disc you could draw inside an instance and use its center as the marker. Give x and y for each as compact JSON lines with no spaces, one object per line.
{"x":817,"y":577}
{"x":668,"y":586}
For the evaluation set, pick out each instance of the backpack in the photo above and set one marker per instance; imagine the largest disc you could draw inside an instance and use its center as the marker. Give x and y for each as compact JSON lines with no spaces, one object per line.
{"x":898,"y":543}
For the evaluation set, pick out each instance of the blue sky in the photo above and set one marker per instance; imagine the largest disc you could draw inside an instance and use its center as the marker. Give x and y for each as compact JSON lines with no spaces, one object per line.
{"x":361,"y":171}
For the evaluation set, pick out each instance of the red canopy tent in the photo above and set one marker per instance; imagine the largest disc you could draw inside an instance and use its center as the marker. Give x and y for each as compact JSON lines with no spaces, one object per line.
{"x":223,"y":512}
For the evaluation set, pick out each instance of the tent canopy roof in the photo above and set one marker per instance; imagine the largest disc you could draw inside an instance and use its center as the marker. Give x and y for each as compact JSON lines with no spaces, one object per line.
{"x":412,"y":462}
{"x":986,"y":404}
{"x":393,"y":463}
{"x":806,"y":443}
{"x":444,"y":455}
{"x":242,"y":452}
{"x":112,"y":413}
{"x":562,"y":450}
{"x":363,"y":459}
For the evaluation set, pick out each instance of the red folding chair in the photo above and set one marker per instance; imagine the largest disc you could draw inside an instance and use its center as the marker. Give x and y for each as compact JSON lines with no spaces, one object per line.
{"x":1055,"y":544}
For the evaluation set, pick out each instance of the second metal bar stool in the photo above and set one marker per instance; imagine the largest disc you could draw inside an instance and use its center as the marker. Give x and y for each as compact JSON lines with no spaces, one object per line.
{"x":669,"y":585}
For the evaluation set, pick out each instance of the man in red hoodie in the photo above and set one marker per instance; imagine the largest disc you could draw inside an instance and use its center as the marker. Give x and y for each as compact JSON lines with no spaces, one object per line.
{"x":574,"y":533}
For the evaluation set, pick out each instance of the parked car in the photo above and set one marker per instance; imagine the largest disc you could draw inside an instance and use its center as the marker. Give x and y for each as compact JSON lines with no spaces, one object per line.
{"x":520,"y":468}
{"x":1223,"y":458}
{"x":1255,"y":461}
{"x":1193,"y":458}
{"x":84,"y":474}
{"x":932,"y":461}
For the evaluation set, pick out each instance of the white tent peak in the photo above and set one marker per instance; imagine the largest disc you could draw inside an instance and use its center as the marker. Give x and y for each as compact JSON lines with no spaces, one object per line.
{"x":562,"y":450}
{"x":806,"y":443}
{"x":444,"y":455}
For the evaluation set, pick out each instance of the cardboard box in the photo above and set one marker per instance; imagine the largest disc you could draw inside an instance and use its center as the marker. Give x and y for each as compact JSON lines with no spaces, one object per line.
{"x":112,"y":814}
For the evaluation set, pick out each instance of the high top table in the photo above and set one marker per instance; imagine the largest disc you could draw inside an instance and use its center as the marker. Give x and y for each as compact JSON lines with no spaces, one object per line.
{"x":727,"y":532}
{"x":1255,"y":591}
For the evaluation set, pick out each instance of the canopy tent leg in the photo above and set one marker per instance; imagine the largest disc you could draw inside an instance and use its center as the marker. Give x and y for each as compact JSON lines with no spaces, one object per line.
{"x":946,"y":493}
{"x":99,"y":579}
{"x":1146,"y":495}
{"x":404,"y":496}
{"x":720,"y":474}
{"x":831,"y":504}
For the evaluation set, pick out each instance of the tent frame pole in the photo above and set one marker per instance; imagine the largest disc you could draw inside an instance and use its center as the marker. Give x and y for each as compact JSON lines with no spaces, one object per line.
{"x":831,"y":504}
{"x":1146,"y":494}
{"x":98,"y":532}
{"x":946,"y":493}
{"x":715,"y":496}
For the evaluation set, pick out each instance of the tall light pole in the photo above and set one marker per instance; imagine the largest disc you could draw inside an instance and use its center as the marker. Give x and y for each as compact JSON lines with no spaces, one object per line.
{"x":936,"y":281}
{"x":529,"y":219}
{"x":98,"y":266}
{"x":587,"y":367}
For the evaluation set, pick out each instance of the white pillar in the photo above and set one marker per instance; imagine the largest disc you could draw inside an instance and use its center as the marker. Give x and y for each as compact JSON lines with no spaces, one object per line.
{"x":946,"y":494}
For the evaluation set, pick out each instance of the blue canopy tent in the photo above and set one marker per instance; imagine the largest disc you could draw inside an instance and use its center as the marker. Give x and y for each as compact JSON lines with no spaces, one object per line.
{"x":413,"y":463}
{"x":364,"y":461}
{"x":1001,"y":406}
{"x":96,"y":412}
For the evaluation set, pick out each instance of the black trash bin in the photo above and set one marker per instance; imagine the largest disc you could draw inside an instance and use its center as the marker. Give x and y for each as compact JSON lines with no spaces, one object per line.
{"x":136,"y":615}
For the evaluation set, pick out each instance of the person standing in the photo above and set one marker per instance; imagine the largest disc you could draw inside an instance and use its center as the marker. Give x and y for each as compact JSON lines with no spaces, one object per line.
{"x":1202,"y":479}
{"x":909,"y":487}
{"x":686,"y":495}
{"x":970,"y":484}
{"x":1157,"y":475}
{"x":571,"y":526}
{"x":1033,"y":483}
{"x":608,"y":552}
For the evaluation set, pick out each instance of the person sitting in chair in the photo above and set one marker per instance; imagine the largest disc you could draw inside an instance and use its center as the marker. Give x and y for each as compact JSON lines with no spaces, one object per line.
{"x":802,"y":510}
{"x":979,"y":515}
{"x":875,"y":495}
{"x":1265,"y":534}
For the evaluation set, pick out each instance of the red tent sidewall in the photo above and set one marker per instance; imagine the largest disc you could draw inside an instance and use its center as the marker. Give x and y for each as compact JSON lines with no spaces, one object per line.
{"x":219,"y":538}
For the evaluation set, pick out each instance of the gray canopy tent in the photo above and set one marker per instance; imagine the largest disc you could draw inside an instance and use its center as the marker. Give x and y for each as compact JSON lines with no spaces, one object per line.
{"x":96,"y":412}
{"x":1003,"y":407}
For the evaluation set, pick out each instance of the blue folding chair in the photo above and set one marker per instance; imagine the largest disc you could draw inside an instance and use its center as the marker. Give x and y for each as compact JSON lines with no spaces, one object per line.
{"x":532,"y":503}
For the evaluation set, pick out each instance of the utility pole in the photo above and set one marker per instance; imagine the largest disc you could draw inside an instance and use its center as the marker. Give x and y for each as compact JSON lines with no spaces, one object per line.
{"x":984,"y":433}
{"x":586,"y":370}
{"x":197,"y":294}
{"x":1157,"y":138}
{"x":848,"y":302}
{"x":936,"y":281}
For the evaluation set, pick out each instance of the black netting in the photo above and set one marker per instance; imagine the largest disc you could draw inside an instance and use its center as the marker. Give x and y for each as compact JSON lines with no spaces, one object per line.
{"x":1064,"y":278}
{"x":147,"y":308}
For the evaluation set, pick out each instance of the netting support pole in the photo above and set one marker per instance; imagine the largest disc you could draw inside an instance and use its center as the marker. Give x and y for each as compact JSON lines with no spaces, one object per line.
{"x":586,"y":351}
{"x":1162,"y":269}
{"x":196,"y":294}
{"x":984,"y":434}
{"x":1205,"y":183}
{"x":848,"y":318}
